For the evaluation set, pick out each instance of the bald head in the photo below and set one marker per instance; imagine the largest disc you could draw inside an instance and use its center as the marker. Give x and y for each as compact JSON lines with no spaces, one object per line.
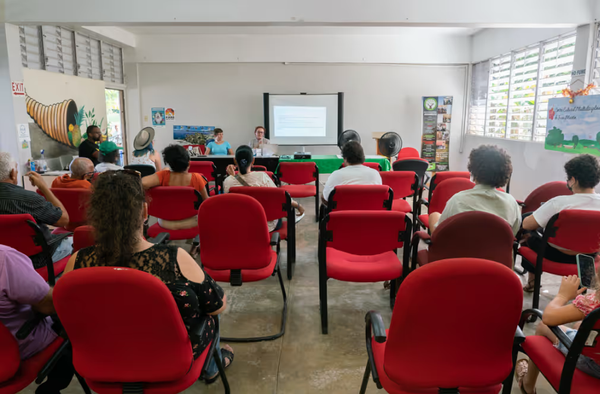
{"x":81,"y":166}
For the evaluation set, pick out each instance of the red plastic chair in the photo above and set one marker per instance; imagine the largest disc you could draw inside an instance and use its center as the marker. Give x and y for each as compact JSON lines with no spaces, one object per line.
{"x":408,"y":153}
{"x":173,"y":203}
{"x":99,"y":307}
{"x":370,"y":164}
{"x":297,"y":175}
{"x":360,"y":198}
{"x":440,"y":177}
{"x":76,"y":202}
{"x":469,"y":234}
{"x":561,"y":372}
{"x":277,"y":204}
{"x":416,"y":165}
{"x":571,"y":229}
{"x":444,"y":191}
{"x":22,"y":233}
{"x":361,"y":246}
{"x":209,"y":170}
{"x":403,"y":184}
{"x":258,"y":168}
{"x":426,"y":349}
{"x":544,"y":193}
{"x":248,"y":259}
{"x":83,"y":237}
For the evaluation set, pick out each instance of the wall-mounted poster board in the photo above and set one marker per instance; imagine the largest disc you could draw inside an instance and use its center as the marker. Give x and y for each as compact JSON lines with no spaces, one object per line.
{"x":435,"y":142}
{"x":574,"y":127}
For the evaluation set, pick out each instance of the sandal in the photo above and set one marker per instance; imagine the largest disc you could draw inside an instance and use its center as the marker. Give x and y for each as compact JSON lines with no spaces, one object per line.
{"x":521,"y":369}
{"x":300,"y":214}
{"x":530,"y":286}
{"x":227,"y":355}
{"x":386,"y":285}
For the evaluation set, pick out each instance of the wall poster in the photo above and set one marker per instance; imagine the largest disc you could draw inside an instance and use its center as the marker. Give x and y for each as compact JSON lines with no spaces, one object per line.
{"x":158,"y":116}
{"x":437,"y":118}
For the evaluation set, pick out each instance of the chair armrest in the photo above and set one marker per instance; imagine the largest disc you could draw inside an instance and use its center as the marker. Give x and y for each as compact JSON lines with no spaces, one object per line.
{"x":375,"y":324}
{"x":45,"y":371}
{"x":562,"y":337}
{"x":275,"y":239}
{"x":423,"y":236}
{"x":519,"y":337}
{"x":521,"y":203}
{"x":58,"y":238}
{"x":199,"y":328}
{"x":160,"y":239}
{"x":529,"y":312}
{"x":29,"y":325}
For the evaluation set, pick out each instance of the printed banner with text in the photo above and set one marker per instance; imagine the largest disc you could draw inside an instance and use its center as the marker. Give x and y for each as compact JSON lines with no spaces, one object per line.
{"x":437,"y":118}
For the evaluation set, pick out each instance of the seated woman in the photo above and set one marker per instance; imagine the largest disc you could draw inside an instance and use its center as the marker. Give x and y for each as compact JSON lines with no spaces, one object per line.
{"x":490,"y":168}
{"x":583,"y":175}
{"x":144,"y":152}
{"x":179,"y":162}
{"x":120,"y":243}
{"x":556,"y":313}
{"x":219,"y":146}
{"x":244,"y":160}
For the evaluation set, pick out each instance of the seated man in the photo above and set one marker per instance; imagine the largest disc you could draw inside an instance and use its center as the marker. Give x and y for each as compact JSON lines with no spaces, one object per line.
{"x":109,"y":154}
{"x":583,"y":175}
{"x":354,"y":173}
{"x":82,"y":169}
{"x":16,"y":200}
{"x":490,"y":168}
{"x":22,"y":293}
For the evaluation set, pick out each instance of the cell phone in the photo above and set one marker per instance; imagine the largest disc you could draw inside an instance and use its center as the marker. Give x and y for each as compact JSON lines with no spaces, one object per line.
{"x":586,"y":270}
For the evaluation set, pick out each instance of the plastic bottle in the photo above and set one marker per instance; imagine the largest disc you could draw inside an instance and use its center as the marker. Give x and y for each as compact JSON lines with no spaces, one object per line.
{"x":42,"y":165}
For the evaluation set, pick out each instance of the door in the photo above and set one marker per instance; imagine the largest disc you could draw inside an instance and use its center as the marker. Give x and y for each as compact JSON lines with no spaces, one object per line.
{"x":115,"y":128}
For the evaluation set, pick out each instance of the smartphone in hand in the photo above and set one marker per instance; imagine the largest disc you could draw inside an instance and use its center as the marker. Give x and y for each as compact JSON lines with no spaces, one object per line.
{"x":586,"y":270}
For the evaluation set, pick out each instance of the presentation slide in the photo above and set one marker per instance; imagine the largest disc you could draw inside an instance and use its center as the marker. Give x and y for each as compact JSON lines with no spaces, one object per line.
{"x":300,"y":121}
{"x":303,"y":119}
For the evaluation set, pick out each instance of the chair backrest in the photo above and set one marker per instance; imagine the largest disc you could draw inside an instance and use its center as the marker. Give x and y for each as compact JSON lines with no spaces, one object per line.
{"x":258,"y":168}
{"x":10,"y":359}
{"x":276,"y":202}
{"x":298,"y":173}
{"x":143,"y":169}
{"x":173,"y":202}
{"x":83,"y":237}
{"x":408,"y":153}
{"x":434,"y":296}
{"x":360,"y":197}
{"x":475,"y":234}
{"x":402,"y":183}
{"x":76,"y":202}
{"x":370,"y":164}
{"x":236,"y":217}
{"x":18,"y":234}
{"x":273,"y":177}
{"x":416,"y":165}
{"x":546,"y":192}
{"x":445,"y":190}
{"x":443,"y":175}
{"x":575,"y":229}
{"x":123,"y":324}
{"x":364,"y":232}
{"x":206,"y":168}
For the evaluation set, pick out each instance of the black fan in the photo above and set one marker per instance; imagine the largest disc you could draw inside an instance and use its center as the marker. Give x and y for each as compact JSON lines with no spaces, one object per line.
{"x":347,"y":136}
{"x":390,"y":144}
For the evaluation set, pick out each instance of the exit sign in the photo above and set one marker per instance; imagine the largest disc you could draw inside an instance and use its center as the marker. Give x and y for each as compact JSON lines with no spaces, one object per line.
{"x":18,"y":89}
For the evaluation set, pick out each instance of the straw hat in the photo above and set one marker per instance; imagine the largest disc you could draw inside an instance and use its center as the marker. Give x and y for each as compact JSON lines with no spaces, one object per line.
{"x":143,"y":138}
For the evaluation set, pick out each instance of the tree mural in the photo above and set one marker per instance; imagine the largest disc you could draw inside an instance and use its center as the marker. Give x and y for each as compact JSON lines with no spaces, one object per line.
{"x":555,"y":137}
{"x":575,"y":141}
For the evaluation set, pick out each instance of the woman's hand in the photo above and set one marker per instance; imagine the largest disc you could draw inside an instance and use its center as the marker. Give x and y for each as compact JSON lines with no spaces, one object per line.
{"x":230,"y":170}
{"x":569,"y":287}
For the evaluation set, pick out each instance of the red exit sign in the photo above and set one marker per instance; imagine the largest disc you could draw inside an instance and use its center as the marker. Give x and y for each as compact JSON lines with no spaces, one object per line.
{"x":18,"y":89}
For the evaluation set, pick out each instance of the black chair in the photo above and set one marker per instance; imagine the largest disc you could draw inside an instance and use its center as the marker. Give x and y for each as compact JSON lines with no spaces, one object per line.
{"x":143,"y":169}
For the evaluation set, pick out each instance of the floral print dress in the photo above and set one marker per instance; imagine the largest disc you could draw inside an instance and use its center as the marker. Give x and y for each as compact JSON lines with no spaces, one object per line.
{"x":194,"y":300}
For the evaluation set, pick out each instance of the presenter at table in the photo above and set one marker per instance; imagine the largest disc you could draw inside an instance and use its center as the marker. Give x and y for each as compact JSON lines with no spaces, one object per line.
{"x":219,"y":146}
{"x":259,"y":134}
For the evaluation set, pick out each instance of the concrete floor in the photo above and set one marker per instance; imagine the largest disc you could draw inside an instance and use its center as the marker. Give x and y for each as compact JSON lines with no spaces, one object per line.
{"x":304,"y":360}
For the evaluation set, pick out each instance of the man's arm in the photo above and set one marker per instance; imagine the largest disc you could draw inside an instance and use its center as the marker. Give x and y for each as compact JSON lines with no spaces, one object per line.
{"x":530,"y":223}
{"x":37,"y":181}
{"x":45,"y":306}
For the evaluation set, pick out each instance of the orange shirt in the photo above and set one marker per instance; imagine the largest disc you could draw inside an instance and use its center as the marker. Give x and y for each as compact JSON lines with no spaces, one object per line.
{"x":197,"y":181}
{"x":65,"y":182}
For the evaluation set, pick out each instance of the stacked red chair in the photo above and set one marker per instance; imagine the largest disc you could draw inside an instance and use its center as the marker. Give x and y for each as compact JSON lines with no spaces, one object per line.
{"x":209,"y":170}
{"x":250,"y":257}
{"x":571,"y":229}
{"x":403,"y":184}
{"x":440,"y":177}
{"x":360,"y":198}
{"x":101,"y":307}
{"x":76,"y":202}
{"x":297,"y":175}
{"x":444,"y":191}
{"x":361,"y":246}
{"x":408,"y":153}
{"x":277,"y":204}
{"x":373,"y":165}
{"x":427,"y":350}
{"x":416,"y":165}
{"x":469,"y":234}
{"x":544,"y":193}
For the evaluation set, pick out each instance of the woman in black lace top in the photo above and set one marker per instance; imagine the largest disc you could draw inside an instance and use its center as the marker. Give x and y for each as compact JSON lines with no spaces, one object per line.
{"x":117,"y":212}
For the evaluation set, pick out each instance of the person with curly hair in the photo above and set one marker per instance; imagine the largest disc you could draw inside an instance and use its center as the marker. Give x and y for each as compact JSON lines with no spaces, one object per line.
{"x":583,"y":175}
{"x":490,"y":168}
{"x":120,"y":243}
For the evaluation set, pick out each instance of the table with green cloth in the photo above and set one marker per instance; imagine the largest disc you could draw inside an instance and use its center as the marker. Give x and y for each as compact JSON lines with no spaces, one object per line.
{"x":329,"y":163}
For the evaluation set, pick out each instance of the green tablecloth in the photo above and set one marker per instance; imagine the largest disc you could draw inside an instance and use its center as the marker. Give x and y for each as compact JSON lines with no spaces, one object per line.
{"x":329,"y":163}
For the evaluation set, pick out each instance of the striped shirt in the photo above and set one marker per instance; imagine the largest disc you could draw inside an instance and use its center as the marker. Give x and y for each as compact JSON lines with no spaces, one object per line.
{"x":16,"y":200}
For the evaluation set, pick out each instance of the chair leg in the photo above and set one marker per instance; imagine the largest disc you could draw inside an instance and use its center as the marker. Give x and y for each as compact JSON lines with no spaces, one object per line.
{"x":393,"y":287}
{"x":84,"y":386}
{"x":317,"y":207}
{"x":283,"y":319}
{"x":507,"y":384}
{"x":291,"y":257}
{"x":221,"y":372}
{"x":536,"y":291}
{"x":323,"y":304}
{"x":365,"y":381}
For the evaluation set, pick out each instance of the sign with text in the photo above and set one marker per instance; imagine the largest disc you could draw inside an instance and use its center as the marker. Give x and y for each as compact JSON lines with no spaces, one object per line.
{"x":574,"y":128}
{"x":437,"y":118}
{"x":18,"y":89}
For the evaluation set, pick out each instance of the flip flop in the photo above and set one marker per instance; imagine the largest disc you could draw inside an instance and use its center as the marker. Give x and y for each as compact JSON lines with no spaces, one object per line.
{"x":530,"y":286}
{"x":226,"y":354}
{"x":521,"y":368}
{"x":299,"y":217}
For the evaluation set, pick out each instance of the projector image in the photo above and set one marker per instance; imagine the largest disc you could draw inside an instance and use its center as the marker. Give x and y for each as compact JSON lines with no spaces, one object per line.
{"x":301,"y":155}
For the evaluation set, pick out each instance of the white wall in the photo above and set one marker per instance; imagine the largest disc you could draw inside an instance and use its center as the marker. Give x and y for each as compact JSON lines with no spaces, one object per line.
{"x":377,"y":97}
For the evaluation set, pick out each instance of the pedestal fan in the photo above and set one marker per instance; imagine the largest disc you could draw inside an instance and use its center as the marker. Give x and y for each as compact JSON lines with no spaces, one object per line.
{"x":390,"y":144}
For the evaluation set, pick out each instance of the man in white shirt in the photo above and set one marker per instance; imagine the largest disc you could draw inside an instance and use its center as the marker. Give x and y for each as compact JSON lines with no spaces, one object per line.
{"x":583,"y":175}
{"x":109,"y":154}
{"x":354,"y":173}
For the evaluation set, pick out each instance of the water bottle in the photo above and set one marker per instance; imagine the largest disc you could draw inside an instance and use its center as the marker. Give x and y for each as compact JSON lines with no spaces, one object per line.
{"x":42,"y":165}
{"x":121,"y":157}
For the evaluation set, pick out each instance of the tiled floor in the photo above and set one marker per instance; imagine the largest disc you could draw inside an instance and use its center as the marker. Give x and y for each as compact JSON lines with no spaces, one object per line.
{"x":304,"y":360}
